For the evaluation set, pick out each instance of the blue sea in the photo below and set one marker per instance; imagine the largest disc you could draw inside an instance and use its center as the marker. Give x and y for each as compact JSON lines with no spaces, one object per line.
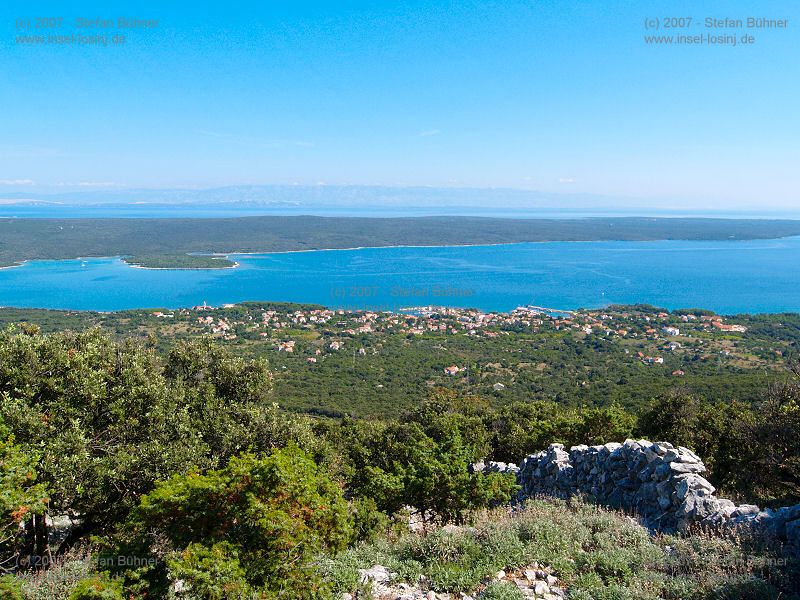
{"x":725,"y":276}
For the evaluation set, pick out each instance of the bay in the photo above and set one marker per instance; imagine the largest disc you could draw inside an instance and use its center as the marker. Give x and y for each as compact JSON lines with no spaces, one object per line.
{"x":754,"y":276}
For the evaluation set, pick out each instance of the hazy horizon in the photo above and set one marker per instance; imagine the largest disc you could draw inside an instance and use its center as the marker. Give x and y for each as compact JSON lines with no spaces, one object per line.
{"x":550,"y":98}
{"x":370,"y":201}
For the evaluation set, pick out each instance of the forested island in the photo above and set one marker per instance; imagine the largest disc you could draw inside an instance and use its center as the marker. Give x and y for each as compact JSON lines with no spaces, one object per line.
{"x":180,"y":261}
{"x":174,"y":242}
{"x":266,"y":450}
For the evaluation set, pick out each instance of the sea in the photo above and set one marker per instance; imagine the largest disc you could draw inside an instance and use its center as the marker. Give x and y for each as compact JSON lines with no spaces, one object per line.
{"x":729,"y":277}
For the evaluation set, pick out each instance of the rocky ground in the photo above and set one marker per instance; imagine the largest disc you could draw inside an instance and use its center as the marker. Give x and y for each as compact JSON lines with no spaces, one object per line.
{"x":534,"y":581}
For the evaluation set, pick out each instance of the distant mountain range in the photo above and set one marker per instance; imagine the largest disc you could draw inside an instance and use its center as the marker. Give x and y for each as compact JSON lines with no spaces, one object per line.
{"x":323,"y":195}
{"x":352,"y":200}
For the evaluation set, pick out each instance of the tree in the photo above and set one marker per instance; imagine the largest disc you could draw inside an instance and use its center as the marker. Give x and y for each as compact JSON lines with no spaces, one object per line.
{"x":769,"y":437}
{"x":422,"y":461}
{"x":101,"y":417}
{"x":704,"y":427}
{"x":22,"y":499}
{"x":108,"y":419}
{"x":521,"y":428}
{"x":605,"y":424}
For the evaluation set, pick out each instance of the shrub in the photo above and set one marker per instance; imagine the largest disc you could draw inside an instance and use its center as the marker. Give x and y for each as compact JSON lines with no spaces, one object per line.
{"x":108,"y":419}
{"x":98,"y":587}
{"x":101,"y":416}
{"x":10,"y":588}
{"x":704,"y":427}
{"x":422,"y":462}
{"x":521,"y":428}
{"x":598,"y":554}
{"x":747,"y":588}
{"x":279,"y":511}
{"x":770,"y":438}
{"x":501,"y":591}
{"x":368,"y":521}
{"x":214,"y":573}
{"x":612,"y":566}
{"x":606,"y":424}
{"x":60,"y":579}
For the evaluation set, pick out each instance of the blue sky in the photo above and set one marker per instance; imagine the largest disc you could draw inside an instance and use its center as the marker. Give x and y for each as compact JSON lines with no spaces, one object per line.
{"x":551,"y":96}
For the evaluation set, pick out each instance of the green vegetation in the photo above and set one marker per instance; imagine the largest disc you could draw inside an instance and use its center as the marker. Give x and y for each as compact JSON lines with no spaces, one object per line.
{"x":501,"y":591}
{"x":10,"y":588}
{"x":180,"y":261}
{"x":97,"y":587}
{"x":419,"y":461}
{"x":161,"y":444}
{"x":386,"y":370}
{"x":168,"y":241}
{"x":22,"y":499}
{"x":598,"y":554}
{"x":255,"y":525}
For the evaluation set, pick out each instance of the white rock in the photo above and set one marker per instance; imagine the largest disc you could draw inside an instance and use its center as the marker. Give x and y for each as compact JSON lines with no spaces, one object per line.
{"x":377,"y":574}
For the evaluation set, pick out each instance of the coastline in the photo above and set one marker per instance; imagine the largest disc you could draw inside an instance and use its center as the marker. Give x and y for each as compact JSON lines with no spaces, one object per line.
{"x":529,"y":267}
{"x":133,"y":266}
{"x":16,"y":265}
{"x":396,"y":246}
{"x":240,"y":253}
{"x":228,"y":255}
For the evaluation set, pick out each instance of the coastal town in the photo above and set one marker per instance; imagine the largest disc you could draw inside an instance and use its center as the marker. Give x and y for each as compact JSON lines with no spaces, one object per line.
{"x":336,"y":361}
{"x":657,"y":331}
{"x":426,"y":319}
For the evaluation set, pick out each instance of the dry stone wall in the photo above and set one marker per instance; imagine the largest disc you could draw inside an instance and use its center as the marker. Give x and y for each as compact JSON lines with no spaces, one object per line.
{"x":661,"y":483}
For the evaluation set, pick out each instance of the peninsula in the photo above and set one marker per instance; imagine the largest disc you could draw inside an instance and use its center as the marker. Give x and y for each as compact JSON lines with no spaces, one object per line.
{"x":178,"y":243}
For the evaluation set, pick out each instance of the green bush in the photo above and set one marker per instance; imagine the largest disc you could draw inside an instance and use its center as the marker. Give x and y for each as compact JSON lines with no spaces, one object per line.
{"x":10,"y":588}
{"x":612,"y":566}
{"x":213,"y":573}
{"x":107,"y":418}
{"x":267,"y":518}
{"x":102,"y":415}
{"x":750,"y":450}
{"x":501,"y":591}
{"x":368,"y":521}
{"x":605,"y":424}
{"x":747,"y":588}
{"x":770,"y":438}
{"x":98,"y":587}
{"x":422,"y":461}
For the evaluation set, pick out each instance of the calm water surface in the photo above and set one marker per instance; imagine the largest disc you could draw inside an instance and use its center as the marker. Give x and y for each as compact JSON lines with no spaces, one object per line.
{"x":729,"y":277}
